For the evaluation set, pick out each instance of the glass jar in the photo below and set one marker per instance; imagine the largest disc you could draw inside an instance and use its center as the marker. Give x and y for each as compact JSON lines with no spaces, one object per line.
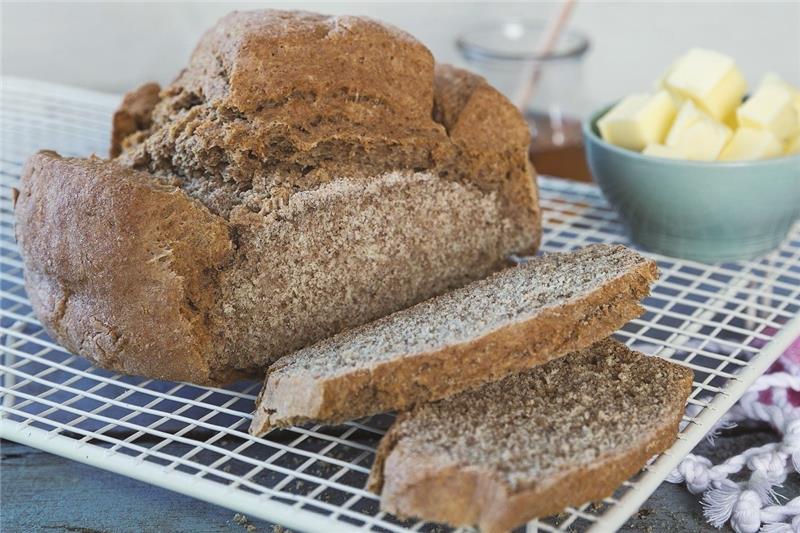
{"x":547,"y":87}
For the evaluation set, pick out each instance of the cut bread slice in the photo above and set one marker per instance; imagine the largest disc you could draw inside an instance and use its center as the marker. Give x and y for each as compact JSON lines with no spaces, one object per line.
{"x":561,"y":434}
{"x":515,"y":319}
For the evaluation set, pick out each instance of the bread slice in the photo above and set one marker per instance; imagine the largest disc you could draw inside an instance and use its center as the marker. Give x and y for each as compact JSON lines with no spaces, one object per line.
{"x":513,"y":320}
{"x":562,"y":434}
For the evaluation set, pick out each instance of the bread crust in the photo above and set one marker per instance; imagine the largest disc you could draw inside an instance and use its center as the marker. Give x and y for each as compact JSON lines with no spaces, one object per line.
{"x":121,"y":268}
{"x":436,"y":488}
{"x":255,"y":111}
{"x":400,"y":383}
{"x":134,"y":115}
{"x":488,"y":132}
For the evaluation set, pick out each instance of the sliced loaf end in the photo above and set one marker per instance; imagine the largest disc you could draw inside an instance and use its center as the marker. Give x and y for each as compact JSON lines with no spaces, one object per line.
{"x":562,"y":434}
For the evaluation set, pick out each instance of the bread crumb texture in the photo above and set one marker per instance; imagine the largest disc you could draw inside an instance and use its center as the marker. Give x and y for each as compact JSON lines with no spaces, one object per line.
{"x":561,"y":434}
{"x":470,"y":312}
{"x":568,"y":413}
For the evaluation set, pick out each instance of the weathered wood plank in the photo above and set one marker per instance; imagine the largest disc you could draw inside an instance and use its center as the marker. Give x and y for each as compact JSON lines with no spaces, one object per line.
{"x":45,"y":493}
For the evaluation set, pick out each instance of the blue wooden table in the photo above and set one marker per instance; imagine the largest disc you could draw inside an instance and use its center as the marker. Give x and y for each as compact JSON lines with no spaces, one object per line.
{"x":40,"y":492}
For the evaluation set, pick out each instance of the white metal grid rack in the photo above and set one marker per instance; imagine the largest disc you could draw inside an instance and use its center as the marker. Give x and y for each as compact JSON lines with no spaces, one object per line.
{"x":726,"y":322}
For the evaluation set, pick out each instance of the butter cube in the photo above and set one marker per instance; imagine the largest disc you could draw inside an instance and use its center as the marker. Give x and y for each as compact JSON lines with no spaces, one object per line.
{"x":638,"y":120}
{"x":731,"y":121}
{"x":751,"y":143}
{"x":662,"y":150}
{"x":710,"y":79}
{"x":770,"y":78}
{"x":793,"y":145}
{"x":661,"y":81}
{"x":771,"y":108}
{"x":697,"y":135}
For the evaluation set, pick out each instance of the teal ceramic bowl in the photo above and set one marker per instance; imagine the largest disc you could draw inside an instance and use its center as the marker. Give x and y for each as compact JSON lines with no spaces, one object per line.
{"x":705,"y":211}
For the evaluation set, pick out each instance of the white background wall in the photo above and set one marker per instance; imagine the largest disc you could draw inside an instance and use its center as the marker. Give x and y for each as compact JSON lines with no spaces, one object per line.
{"x":114,"y":47}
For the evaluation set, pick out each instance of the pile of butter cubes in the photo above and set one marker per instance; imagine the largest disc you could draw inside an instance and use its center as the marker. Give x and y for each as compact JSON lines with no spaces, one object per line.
{"x":697,"y":113}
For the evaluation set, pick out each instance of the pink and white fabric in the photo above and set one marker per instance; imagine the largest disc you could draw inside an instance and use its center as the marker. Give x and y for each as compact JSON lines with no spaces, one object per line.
{"x":755,"y":502}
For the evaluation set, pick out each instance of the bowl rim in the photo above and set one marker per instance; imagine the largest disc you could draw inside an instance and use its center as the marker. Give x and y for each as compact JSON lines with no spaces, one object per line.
{"x":588,"y":125}
{"x":466,"y":46}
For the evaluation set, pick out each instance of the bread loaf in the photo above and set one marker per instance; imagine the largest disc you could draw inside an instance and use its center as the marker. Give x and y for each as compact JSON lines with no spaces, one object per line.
{"x":513,"y":320}
{"x":565,"y":433}
{"x":303,"y":175}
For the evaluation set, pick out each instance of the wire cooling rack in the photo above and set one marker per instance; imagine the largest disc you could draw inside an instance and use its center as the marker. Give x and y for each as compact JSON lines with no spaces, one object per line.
{"x":726,"y":322}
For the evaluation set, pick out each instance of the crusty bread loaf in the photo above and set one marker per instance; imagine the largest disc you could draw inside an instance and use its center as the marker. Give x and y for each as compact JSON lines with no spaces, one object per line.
{"x":344,"y":177}
{"x":513,"y":320}
{"x":561,"y":434}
